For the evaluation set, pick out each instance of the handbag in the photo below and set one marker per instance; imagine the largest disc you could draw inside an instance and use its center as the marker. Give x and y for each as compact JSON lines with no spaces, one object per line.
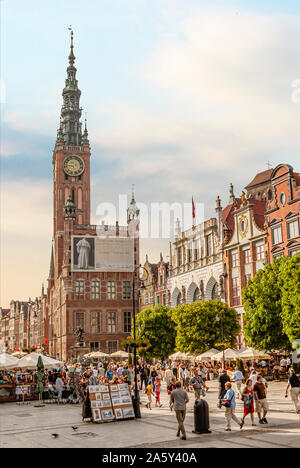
{"x":227,"y":403}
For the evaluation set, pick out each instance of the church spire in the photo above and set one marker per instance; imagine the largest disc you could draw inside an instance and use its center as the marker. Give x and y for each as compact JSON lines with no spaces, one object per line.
{"x":70,"y":131}
{"x":71,"y":56}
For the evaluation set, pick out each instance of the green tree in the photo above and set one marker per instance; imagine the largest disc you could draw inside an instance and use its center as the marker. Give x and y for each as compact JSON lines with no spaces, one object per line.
{"x":290,"y":297}
{"x":198,"y":325}
{"x":262,"y":304}
{"x":156,"y":324}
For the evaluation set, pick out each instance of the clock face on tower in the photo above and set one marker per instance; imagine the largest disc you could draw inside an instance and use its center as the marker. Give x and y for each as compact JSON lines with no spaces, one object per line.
{"x":73,"y":165}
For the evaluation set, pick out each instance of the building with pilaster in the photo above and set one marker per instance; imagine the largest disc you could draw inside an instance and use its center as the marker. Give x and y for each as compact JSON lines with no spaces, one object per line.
{"x":196,"y":264}
{"x":245,"y":247}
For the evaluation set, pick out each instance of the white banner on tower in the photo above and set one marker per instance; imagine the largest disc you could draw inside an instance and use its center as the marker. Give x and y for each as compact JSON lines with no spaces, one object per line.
{"x":91,"y":253}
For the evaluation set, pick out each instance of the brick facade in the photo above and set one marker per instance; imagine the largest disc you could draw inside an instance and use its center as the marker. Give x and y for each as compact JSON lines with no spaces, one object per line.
{"x":282,"y":213}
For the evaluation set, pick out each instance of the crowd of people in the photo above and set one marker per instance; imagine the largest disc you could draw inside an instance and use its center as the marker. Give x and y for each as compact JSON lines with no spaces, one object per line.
{"x":181,"y":379}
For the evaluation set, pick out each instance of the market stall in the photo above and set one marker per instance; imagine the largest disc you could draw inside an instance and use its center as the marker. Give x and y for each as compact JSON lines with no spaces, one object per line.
{"x":7,"y":381}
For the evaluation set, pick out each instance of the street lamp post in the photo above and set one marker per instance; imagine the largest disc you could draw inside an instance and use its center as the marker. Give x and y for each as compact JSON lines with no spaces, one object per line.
{"x":136,"y":396}
{"x":222,"y":334}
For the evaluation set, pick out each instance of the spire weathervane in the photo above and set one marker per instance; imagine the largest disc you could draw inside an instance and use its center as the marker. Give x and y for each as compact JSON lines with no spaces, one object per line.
{"x":71,"y":56}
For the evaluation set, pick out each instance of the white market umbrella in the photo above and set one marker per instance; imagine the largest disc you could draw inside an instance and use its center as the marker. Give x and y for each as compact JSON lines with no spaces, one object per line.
{"x":208,"y":354}
{"x":177,"y":355}
{"x":98,"y":355}
{"x":8,"y":361}
{"x":252,"y":353}
{"x":229,"y":355}
{"x":120,"y":354}
{"x":30,"y":361}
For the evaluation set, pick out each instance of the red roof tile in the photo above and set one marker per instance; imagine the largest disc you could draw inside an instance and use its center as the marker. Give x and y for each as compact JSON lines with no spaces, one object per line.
{"x":260,"y":178}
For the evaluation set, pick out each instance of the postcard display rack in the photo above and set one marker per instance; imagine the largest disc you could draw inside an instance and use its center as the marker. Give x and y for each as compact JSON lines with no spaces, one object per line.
{"x":110,"y":402}
{"x":121,"y":401}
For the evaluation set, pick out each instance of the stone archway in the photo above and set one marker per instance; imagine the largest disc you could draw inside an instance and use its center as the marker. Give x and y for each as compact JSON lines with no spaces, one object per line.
{"x":193,"y":293}
{"x":211,"y":288}
{"x":176,"y":297}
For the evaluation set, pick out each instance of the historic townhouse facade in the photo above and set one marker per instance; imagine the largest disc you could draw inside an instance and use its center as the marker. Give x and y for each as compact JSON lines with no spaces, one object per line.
{"x":149,"y":279}
{"x":244,"y":250}
{"x":81,"y":294}
{"x":4,"y":328}
{"x":155,"y":282}
{"x":161,"y":287}
{"x":283,"y":211}
{"x":196,"y":264}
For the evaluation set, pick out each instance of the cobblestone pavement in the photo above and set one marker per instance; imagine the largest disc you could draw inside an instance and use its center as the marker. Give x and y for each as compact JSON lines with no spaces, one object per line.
{"x":28,"y":426}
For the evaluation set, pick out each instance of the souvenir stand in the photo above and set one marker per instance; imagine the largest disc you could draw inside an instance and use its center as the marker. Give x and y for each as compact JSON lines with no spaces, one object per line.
{"x":101,"y":405}
{"x":25,"y":386}
{"x":121,"y":401}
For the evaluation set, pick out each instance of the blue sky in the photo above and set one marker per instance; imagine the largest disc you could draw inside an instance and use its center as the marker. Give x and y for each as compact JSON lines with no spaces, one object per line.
{"x":182,"y":98}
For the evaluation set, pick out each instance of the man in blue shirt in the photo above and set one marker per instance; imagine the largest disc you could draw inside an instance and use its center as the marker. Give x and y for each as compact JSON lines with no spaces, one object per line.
{"x":109,"y":373}
{"x":230,"y":409}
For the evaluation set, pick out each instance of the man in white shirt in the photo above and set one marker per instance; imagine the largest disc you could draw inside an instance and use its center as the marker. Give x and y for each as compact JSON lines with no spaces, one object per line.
{"x":253,"y":376}
{"x":101,"y":370}
{"x":238,"y":378}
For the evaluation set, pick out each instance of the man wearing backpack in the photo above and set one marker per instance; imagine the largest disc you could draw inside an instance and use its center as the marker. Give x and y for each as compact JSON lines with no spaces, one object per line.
{"x":294,"y":384}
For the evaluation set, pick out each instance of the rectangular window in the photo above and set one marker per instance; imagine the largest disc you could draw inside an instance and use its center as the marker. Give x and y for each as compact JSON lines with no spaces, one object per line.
{"x":151,"y":298}
{"x":94,"y":346}
{"x":112,"y":347}
{"x":164,"y":299}
{"x":235,"y":291}
{"x":146,"y":298}
{"x":189,"y":252}
{"x":276,"y":235}
{"x":179,"y":256}
{"x":293,"y":252}
{"x":111,"y":290}
{"x":209,"y":245}
{"x":95,"y":289}
{"x":157,"y":299}
{"x":260,"y":253}
{"x":111,"y":322}
{"x":196,"y":250}
{"x":126,"y":290}
{"x":293,"y":229}
{"x":247,"y":256}
{"x":161,"y":280}
{"x":127,"y":322}
{"x":79,"y":320}
{"x":235,"y":259}
{"x":79,"y":289}
{"x":95,"y":322}
{"x":248,"y":277}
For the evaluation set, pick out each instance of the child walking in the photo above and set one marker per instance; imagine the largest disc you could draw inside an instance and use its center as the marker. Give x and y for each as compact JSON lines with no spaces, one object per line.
{"x":149,"y":394}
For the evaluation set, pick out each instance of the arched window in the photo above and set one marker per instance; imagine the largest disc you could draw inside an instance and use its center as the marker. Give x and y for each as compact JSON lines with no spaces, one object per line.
{"x":215,"y":291}
{"x":79,"y":198}
{"x":178,"y":301}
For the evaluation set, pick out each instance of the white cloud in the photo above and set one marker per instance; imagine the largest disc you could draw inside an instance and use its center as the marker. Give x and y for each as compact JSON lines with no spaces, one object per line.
{"x":227,"y":79}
